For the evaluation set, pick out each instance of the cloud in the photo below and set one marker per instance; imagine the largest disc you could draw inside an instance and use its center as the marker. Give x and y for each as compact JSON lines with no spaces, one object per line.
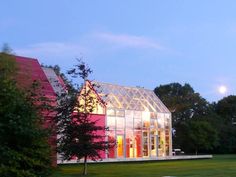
{"x":51,"y":49}
{"x":129,"y":40}
{"x":91,"y":45}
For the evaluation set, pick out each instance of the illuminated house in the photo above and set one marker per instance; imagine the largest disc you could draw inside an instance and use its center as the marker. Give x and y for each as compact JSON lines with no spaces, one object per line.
{"x":137,"y":120}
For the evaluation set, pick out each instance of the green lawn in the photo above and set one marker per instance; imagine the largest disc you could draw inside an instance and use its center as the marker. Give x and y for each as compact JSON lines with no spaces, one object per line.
{"x":219,"y":166}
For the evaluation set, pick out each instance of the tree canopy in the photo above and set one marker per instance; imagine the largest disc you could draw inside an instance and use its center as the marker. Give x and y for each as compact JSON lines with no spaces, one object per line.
{"x":190,"y":113}
{"x":226,"y":109}
{"x":24,"y":150}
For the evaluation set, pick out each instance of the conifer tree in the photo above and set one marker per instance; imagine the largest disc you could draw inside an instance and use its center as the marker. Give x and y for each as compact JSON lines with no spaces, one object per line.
{"x":78,"y":132}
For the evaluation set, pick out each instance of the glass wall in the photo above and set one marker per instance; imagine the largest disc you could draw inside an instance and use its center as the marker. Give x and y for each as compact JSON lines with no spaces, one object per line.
{"x":138,"y":133}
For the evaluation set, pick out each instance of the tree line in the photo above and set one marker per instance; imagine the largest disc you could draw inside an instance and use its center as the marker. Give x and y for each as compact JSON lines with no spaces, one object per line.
{"x":199,"y":126}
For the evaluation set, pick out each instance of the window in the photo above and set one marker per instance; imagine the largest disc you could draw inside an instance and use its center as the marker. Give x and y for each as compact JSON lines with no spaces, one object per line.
{"x":137,"y":124}
{"x":111,"y":112}
{"x":120,"y":123}
{"x":146,"y":119}
{"x":111,"y":122}
{"x":145,"y":143}
{"x":137,"y":114}
{"x":120,"y":113}
{"x":129,"y":122}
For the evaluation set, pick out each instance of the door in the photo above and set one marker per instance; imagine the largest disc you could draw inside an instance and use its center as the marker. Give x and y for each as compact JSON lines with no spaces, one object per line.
{"x":120,"y":146}
{"x":153,"y":144}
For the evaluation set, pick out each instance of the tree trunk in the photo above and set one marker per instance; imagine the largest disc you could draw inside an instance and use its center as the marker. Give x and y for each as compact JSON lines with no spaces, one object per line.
{"x":196,"y":151}
{"x":85,"y":166}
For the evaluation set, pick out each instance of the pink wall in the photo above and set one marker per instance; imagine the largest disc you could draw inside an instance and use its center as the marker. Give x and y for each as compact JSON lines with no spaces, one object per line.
{"x":100,"y":118}
{"x":28,"y":71}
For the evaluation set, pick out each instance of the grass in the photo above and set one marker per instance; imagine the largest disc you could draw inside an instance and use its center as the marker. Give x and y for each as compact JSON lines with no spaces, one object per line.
{"x":219,"y":166}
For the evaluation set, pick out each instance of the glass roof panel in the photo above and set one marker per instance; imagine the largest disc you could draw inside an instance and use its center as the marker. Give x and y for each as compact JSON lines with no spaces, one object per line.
{"x":130,"y":98}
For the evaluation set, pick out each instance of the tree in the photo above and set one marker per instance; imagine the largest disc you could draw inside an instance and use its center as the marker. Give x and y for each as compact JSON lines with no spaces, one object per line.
{"x":189,"y":112}
{"x":182,"y":101}
{"x":24,"y":150}
{"x":6,"y":49}
{"x":226,"y":109}
{"x":202,"y":135}
{"x":78,"y":132}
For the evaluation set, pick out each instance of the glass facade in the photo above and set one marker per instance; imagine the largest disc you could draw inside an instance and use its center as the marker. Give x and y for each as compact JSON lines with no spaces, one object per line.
{"x":138,"y":121}
{"x":139,"y":134}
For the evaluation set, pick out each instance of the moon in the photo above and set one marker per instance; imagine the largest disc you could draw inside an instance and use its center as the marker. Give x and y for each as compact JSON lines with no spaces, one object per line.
{"x":222,"y":89}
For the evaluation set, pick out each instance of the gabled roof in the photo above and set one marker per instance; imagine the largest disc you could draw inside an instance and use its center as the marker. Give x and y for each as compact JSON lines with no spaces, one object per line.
{"x":130,"y":98}
{"x":55,"y":80}
{"x":29,"y":70}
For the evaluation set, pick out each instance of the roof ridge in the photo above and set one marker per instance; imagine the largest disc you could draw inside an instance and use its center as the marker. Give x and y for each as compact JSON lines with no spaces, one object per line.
{"x":132,"y":87}
{"x":23,"y":57}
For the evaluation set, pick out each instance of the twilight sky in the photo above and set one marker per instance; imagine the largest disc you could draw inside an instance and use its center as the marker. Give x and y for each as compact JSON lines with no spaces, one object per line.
{"x":130,"y":42}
